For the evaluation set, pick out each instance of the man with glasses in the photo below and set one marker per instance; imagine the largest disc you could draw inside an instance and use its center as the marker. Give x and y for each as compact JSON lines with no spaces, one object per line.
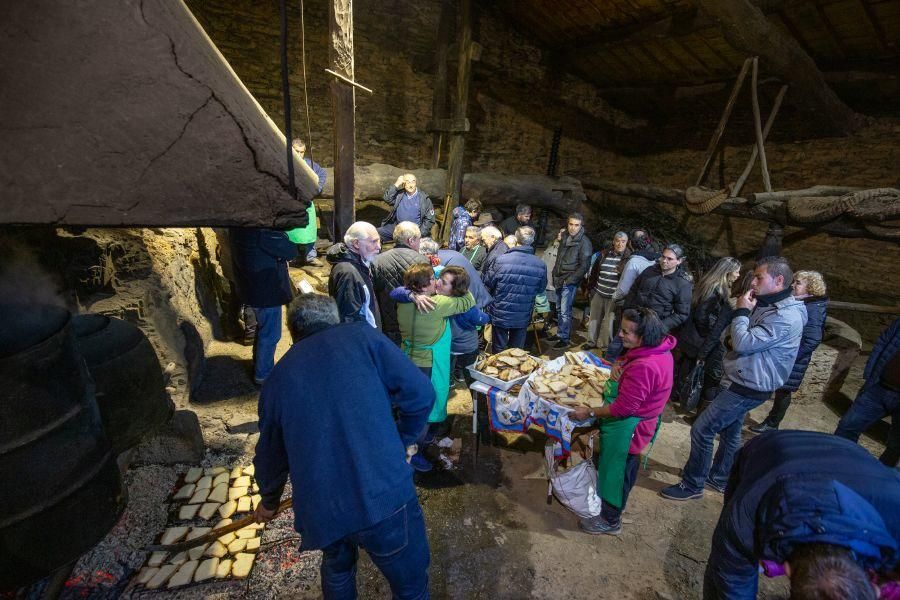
{"x":350,"y":282}
{"x":408,"y":203}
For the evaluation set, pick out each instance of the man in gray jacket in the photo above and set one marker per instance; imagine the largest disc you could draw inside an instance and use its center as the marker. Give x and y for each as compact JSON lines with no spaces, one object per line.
{"x":764,"y":337}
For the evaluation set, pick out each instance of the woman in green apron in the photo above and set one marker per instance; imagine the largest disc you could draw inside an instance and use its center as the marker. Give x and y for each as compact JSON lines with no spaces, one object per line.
{"x":636,"y":394}
{"x":426,"y":335}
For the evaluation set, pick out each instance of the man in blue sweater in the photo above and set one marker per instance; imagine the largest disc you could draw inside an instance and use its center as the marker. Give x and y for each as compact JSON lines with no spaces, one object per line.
{"x":333,"y":432}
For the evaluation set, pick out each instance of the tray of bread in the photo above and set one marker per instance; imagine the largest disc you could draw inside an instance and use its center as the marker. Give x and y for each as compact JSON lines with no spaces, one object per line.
{"x":205,"y":499}
{"x":505,"y":369}
{"x":573,"y":384}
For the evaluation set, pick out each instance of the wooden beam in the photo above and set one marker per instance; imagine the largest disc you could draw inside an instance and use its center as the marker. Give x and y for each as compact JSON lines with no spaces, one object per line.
{"x":738,"y":186}
{"x":794,"y":31}
{"x":757,"y":127}
{"x":746,"y":28}
{"x":343,"y":102}
{"x":873,"y":23}
{"x":720,"y":128}
{"x":833,"y":36}
{"x":771,"y":209}
{"x":690,"y":52}
{"x":458,"y":139}
{"x":449,"y":126}
{"x":439,"y":90}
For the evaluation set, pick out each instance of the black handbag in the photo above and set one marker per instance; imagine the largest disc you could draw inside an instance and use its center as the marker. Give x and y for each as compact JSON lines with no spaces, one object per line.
{"x":690,"y":387}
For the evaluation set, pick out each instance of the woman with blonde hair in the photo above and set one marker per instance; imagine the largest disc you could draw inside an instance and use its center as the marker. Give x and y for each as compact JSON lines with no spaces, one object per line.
{"x":698,"y":339}
{"x":808,"y":286}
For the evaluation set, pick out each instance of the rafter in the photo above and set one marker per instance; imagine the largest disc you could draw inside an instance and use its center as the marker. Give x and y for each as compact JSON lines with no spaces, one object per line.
{"x":794,"y":31}
{"x":875,"y":26}
{"x":833,"y":36}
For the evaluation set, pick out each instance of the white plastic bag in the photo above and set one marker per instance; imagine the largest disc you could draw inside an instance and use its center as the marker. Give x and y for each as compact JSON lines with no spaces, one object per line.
{"x":575,"y":487}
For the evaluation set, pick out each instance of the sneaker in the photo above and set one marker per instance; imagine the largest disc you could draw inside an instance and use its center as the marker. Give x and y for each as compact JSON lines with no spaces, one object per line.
{"x":561,"y":344}
{"x":762,"y":428}
{"x":679,"y":492}
{"x":599,"y":526}
{"x":314,"y":262}
{"x":444,"y":443}
{"x":715,"y":486}
{"x":588,"y":346}
{"x":420,"y":463}
{"x":553,"y":338}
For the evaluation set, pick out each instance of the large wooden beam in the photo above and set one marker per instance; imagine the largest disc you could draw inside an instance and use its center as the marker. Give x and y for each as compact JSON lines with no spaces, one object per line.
{"x":746,"y":28}
{"x":769,"y":207}
{"x":439,"y":89}
{"x":343,"y":102}
{"x":461,"y":102}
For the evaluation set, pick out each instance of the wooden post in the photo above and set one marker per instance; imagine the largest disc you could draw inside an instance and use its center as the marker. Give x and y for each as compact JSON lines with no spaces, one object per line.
{"x":439,"y":91}
{"x":720,"y":128}
{"x":757,"y":127}
{"x":736,"y":189}
{"x":458,"y":139}
{"x":343,"y":102}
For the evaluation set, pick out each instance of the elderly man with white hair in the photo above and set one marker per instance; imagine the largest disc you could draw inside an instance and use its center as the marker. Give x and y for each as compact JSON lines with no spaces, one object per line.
{"x":492,"y":239}
{"x":350,"y":282}
{"x":408,"y":203}
{"x":387,"y":272}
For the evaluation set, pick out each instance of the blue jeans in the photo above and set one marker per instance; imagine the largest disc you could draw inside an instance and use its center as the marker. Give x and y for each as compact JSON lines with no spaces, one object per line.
{"x":872,"y":404}
{"x":725,"y":416}
{"x":566,"y":298}
{"x":397,"y":545}
{"x":503,"y":338}
{"x":268,"y":332}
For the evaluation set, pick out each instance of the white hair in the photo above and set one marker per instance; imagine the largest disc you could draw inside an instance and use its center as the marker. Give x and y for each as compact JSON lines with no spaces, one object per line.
{"x":525,"y":236}
{"x":405,"y":231}
{"x":358,"y":231}
{"x":428,"y":247}
{"x":491,"y":231}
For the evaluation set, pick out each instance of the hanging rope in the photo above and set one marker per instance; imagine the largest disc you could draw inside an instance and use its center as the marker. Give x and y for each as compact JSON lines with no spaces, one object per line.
{"x":286,"y":92}
{"x":305,"y":92}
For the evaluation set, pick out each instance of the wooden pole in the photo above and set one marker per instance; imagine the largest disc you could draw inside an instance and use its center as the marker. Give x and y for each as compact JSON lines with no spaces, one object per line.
{"x":458,"y":139}
{"x":343,"y":102}
{"x":439,"y":90}
{"x":736,"y":189}
{"x":757,"y":127}
{"x":720,"y":128}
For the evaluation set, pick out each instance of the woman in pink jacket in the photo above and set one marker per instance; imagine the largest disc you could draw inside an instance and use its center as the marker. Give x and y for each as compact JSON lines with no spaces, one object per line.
{"x":630,"y":417}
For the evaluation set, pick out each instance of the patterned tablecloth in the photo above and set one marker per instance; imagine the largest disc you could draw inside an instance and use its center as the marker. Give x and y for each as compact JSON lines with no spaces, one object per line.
{"x":516,"y":413}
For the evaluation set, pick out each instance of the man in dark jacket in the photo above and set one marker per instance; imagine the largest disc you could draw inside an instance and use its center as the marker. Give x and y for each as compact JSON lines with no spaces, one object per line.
{"x":408,"y":203}
{"x":387,"y":273}
{"x":572,"y":263}
{"x":260,"y":258}
{"x":522,"y":218}
{"x":879,"y":396}
{"x":350,"y":282}
{"x":809,"y":505}
{"x":493,"y":242}
{"x":517,"y":277}
{"x":333,"y":431}
{"x":664,"y":287}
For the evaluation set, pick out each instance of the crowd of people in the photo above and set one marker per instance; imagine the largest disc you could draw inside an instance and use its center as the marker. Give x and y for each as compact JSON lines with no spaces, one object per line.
{"x":399,"y":327}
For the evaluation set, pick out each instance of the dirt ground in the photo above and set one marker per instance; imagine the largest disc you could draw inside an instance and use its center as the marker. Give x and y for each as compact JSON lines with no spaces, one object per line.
{"x":493,"y":534}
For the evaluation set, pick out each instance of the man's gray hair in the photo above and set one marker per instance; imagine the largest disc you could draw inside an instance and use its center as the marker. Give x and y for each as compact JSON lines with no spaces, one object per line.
{"x":473,"y":229}
{"x":405,"y":231}
{"x":775,"y":266}
{"x":491,"y":231}
{"x":357,"y":231}
{"x":525,"y":236}
{"x":428,"y":247}
{"x":620,"y":235}
{"x":308,"y":311}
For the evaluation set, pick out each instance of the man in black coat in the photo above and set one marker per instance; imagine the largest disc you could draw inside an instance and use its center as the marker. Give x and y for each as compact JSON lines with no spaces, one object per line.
{"x":492,"y":239}
{"x":387,"y":272}
{"x":664,"y":287}
{"x":809,"y":505}
{"x":350,"y":282}
{"x":572,"y":262}
{"x":522,"y":218}
{"x":260,"y":259}
{"x":408,"y":203}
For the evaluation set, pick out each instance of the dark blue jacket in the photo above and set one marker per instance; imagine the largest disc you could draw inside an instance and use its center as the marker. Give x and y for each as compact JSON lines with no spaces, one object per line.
{"x":326,"y":420}
{"x":887,"y":345}
{"x":516,"y":278}
{"x":813,"y":332}
{"x":497,"y":250}
{"x":793,"y":487}
{"x":260,"y":258}
{"x":465,"y":339}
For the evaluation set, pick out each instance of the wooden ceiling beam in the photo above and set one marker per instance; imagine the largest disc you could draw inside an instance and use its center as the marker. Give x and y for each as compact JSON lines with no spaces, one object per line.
{"x":794,"y":31}
{"x":873,"y":23}
{"x":690,"y":52}
{"x":833,"y":36}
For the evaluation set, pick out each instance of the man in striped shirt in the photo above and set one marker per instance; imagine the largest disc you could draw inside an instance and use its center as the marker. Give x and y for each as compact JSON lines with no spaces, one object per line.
{"x":602,"y":282}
